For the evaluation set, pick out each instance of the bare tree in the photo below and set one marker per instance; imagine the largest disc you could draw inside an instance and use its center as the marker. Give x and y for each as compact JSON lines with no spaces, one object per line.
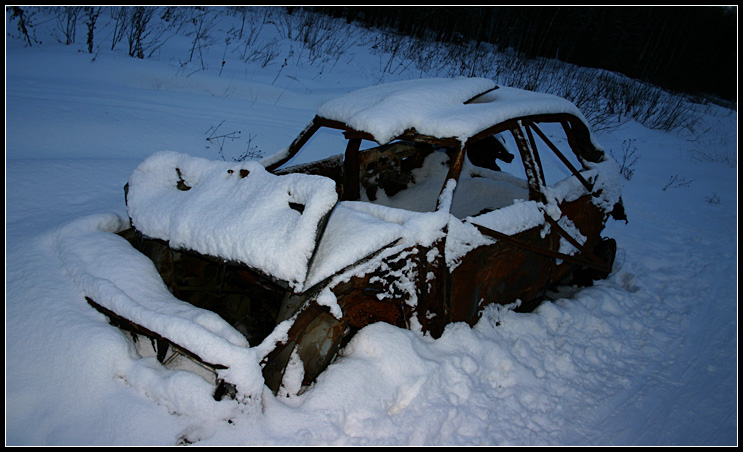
{"x":23,"y":23}
{"x":120,"y":16}
{"x":203,"y":24}
{"x":140,"y":17}
{"x":67,"y":22}
{"x":92,"y":15}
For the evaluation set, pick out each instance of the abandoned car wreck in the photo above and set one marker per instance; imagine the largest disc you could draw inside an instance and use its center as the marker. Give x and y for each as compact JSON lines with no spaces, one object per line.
{"x":421,"y":229}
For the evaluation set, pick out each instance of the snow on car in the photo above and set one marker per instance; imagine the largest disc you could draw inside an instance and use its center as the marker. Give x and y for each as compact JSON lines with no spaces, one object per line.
{"x":451,"y":194}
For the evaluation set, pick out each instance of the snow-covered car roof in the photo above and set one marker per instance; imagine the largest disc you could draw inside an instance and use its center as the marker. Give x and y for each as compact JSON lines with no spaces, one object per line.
{"x":440,"y":108}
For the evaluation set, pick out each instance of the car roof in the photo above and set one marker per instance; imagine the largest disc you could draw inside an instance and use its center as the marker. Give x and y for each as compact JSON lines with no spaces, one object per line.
{"x":457,"y":108}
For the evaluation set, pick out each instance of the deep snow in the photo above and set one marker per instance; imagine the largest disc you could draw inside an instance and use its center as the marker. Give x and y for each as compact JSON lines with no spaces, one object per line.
{"x":646,"y":357}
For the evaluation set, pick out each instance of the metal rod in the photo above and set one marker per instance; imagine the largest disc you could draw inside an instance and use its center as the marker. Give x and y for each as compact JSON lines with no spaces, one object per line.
{"x":562,"y":157}
{"x":543,"y":251}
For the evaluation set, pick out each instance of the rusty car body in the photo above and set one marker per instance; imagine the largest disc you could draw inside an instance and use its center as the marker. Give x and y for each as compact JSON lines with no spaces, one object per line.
{"x":438,"y":229}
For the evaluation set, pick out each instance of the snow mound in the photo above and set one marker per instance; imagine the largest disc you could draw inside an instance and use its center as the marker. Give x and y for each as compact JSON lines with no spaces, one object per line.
{"x":133,"y":289}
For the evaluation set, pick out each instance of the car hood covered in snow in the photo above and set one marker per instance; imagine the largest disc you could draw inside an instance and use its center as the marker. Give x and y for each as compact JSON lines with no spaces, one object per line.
{"x":234,"y":211}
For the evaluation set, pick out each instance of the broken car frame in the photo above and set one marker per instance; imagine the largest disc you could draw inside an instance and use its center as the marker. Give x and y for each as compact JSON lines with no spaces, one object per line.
{"x":410,"y":285}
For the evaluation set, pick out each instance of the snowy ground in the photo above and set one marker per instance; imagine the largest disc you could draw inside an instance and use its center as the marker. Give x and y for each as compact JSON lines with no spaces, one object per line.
{"x":647,"y":357}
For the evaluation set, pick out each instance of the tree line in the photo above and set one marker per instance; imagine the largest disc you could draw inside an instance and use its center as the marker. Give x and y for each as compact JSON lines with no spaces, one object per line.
{"x":692,"y":50}
{"x":683,"y":48}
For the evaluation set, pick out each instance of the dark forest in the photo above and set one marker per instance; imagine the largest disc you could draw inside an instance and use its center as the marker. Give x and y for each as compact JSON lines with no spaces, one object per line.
{"x":687,"y":49}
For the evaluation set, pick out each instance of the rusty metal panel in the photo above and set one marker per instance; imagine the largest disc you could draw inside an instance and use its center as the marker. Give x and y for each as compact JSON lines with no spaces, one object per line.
{"x":243,"y":297}
{"x":500,"y":273}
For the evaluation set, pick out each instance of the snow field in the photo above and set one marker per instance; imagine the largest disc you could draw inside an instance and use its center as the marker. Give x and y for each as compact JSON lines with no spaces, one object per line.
{"x":646,"y":357}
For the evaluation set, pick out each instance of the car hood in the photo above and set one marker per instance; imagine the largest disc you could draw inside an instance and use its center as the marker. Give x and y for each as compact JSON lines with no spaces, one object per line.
{"x":234,"y":211}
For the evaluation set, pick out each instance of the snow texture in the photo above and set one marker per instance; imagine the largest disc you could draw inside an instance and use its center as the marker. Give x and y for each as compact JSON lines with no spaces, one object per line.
{"x":646,"y":357}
